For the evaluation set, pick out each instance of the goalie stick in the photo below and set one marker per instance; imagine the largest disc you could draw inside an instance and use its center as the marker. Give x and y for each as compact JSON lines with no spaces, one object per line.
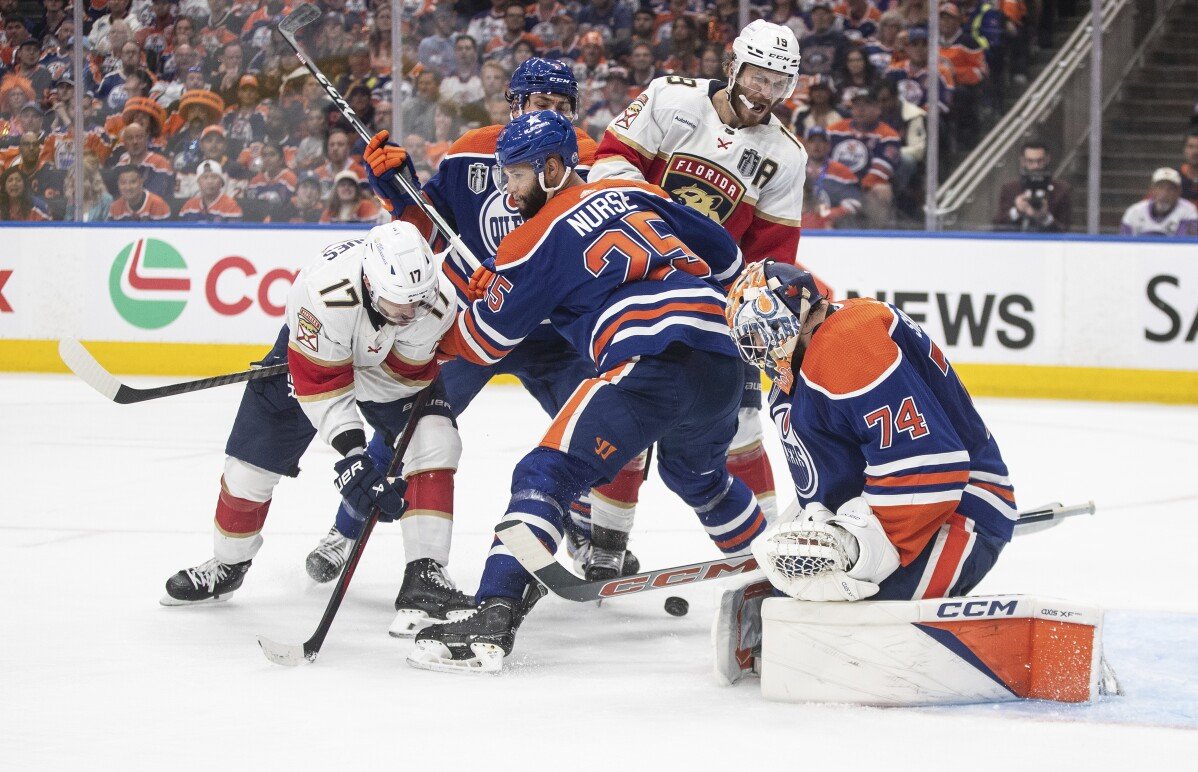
{"x":528,"y":549}
{"x":292,"y":23}
{"x":83,"y":364}
{"x":292,"y":654}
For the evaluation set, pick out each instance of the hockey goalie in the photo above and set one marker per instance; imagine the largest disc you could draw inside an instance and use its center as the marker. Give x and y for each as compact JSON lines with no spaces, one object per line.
{"x":903,"y":496}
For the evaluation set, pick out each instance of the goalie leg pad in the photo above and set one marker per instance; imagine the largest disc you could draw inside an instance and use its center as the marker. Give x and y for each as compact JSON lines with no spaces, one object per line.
{"x":736,"y":630}
{"x":994,"y":648}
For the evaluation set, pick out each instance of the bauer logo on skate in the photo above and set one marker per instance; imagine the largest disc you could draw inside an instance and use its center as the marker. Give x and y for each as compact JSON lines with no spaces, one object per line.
{"x":148,"y":283}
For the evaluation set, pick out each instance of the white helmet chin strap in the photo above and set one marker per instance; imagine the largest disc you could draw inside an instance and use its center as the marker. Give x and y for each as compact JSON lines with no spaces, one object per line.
{"x":561,"y":183}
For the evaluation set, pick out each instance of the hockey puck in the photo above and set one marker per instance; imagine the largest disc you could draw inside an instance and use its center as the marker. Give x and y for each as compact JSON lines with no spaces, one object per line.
{"x":677,"y":607}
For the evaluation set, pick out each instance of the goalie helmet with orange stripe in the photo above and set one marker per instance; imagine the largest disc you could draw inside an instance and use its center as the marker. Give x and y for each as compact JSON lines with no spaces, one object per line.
{"x":767,"y":308}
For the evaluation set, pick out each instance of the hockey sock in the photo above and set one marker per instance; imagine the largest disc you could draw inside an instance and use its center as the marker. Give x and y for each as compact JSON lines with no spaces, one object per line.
{"x":238,"y":526}
{"x":751,"y":466}
{"x":428,"y":522}
{"x":542,"y":484}
{"x":503,"y":576}
{"x":614,"y":505}
{"x":732,"y":519}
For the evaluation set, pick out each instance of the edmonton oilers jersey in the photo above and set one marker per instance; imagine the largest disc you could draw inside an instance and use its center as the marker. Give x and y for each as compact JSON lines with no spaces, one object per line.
{"x":463,"y":190}
{"x":877,"y":411}
{"x":618,"y":268}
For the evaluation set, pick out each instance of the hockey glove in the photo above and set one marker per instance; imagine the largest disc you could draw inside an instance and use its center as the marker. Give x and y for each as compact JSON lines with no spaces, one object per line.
{"x":481,"y":279}
{"x":383,"y":162}
{"x":363,"y":487}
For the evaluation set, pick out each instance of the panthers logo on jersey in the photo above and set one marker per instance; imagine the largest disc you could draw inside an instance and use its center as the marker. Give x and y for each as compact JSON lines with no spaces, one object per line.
{"x":703,"y":186}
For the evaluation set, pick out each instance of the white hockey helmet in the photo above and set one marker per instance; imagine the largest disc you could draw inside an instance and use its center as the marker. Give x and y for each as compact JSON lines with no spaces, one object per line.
{"x":401,"y":271}
{"x":770,"y":46}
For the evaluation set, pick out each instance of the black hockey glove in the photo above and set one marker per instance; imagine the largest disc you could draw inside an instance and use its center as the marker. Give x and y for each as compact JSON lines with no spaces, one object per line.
{"x":363,"y":487}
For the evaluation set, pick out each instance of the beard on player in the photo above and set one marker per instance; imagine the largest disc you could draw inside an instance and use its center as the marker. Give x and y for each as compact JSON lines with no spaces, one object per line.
{"x":531,"y":202}
{"x":749,"y":107}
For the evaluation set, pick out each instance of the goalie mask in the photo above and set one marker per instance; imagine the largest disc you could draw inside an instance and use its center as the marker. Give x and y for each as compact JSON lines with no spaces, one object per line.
{"x":767,"y":308}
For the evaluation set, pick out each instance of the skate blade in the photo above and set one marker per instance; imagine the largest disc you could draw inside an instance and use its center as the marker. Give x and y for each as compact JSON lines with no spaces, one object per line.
{"x":289,"y":655}
{"x":435,"y":656}
{"x":408,"y":622}
{"x":167,"y":600}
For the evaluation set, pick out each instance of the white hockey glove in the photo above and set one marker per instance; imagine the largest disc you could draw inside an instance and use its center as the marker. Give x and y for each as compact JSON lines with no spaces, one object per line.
{"x":821,"y":556}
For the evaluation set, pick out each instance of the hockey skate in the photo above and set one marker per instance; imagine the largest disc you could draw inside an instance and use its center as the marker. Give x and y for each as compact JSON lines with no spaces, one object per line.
{"x":478,"y":643}
{"x":427,"y":595}
{"x":607,"y":556}
{"x":208,"y":582}
{"x":324,"y":563}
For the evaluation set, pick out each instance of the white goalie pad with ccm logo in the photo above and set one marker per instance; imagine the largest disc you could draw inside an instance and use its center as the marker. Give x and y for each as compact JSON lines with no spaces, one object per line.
{"x":991,"y":648}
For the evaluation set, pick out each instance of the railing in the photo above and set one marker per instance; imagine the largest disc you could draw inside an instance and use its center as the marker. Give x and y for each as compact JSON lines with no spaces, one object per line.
{"x":1055,"y":108}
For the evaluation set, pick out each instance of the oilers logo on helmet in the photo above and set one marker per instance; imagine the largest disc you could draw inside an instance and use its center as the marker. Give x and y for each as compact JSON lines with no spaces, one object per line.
{"x":802,"y":463}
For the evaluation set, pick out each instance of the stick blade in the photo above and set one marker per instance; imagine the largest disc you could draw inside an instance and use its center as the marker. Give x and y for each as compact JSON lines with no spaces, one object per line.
{"x":302,"y":16}
{"x":289,"y":655}
{"x":84,"y":365}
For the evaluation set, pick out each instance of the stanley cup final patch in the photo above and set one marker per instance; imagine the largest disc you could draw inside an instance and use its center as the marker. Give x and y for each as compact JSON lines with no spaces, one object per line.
{"x":308,"y":333}
{"x":476,"y":177}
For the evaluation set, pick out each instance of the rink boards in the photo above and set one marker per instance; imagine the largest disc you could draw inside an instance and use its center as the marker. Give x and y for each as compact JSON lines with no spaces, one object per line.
{"x":1076,"y":318}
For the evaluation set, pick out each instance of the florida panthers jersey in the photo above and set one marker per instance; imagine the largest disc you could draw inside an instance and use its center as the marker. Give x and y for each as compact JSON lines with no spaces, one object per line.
{"x":463,"y":190}
{"x":617,"y":267}
{"x":895,"y":426}
{"x":342,"y":351}
{"x":749,"y":180}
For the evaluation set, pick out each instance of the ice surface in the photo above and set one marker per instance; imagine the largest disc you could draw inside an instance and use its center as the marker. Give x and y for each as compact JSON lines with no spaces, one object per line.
{"x":101,"y":503}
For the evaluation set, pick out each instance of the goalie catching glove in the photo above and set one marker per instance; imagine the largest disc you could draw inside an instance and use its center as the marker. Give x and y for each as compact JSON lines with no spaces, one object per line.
{"x":383,"y":162}
{"x":363,"y":487}
{"x":821,"y":556}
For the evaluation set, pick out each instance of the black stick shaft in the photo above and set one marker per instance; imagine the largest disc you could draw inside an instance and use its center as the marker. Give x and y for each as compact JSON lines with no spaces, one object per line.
{"x":313,"y":644}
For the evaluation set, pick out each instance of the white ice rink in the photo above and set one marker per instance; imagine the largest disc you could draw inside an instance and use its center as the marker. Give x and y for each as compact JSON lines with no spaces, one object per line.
{"x":101,"y":503}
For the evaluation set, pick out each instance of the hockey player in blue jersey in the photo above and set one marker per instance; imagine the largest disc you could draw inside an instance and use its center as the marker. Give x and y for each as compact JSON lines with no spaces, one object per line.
{"x":903,"y":492}
{"x":463,"y":190}
{"x":634,"y":281}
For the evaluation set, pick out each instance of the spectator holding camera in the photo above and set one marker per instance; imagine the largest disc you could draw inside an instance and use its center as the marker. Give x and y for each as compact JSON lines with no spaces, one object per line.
{"x":1035,"y":202}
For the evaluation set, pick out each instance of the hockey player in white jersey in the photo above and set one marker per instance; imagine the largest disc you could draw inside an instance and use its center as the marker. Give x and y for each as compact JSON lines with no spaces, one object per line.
{"x":718,"y":148}
{"x":362,"y":330}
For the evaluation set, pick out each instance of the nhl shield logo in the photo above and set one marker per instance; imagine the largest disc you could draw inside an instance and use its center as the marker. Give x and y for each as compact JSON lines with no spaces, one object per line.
{"x":476,"y":178}
{"x":748,"y":163}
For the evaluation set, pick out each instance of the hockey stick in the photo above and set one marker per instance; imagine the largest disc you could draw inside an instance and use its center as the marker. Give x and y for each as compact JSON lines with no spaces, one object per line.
{"x":296,"y":654}
{"x":84,"y":365}
{"x":528,"y":549}
{"x":302,"y":16}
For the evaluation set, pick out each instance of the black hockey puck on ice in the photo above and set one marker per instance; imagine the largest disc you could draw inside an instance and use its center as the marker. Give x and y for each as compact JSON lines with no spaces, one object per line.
{"x":677,"y":607}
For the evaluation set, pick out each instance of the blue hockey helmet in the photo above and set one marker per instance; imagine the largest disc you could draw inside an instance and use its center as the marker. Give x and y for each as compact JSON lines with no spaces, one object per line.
{"x":532,"y":137}
{"x":541,"y":76}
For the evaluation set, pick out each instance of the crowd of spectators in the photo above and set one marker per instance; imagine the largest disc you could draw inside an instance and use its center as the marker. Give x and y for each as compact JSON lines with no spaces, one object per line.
{"x":198,"y":109}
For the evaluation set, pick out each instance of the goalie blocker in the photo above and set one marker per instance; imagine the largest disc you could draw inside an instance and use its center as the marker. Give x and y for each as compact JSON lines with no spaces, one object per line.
{"x":990,"y":648}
